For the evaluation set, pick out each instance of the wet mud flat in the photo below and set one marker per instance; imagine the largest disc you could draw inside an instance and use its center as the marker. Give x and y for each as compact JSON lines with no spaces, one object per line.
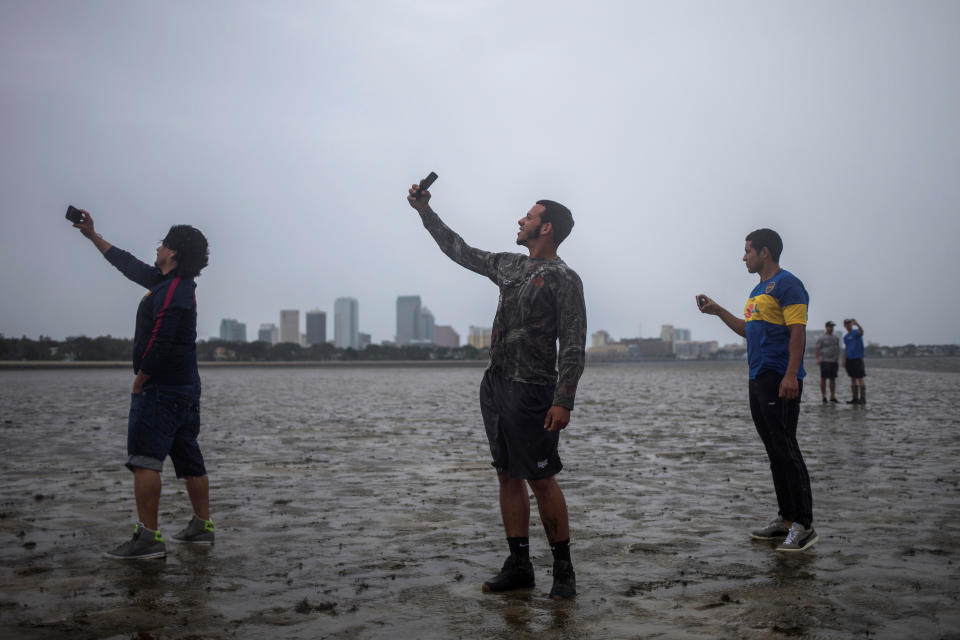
{"x":359,"y":503}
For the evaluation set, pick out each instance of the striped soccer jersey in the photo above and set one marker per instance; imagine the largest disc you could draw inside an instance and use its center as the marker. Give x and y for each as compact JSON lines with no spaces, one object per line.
{"x":774,"y":304}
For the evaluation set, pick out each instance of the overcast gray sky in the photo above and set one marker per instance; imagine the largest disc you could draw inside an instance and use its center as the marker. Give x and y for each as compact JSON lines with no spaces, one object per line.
{"x":289,"y":133}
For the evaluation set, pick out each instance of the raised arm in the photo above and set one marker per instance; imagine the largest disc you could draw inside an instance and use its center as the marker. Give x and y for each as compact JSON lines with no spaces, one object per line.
{"x":137,"y":271}
{"x":477,"y":260}
{"x":86,"y":228}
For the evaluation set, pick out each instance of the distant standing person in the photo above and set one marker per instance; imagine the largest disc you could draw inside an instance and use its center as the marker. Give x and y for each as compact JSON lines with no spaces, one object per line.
{"x":774,"y":325}
{"x":165,"y":404}
{"x":853,"y":361}
{"x":828,"y":357}
{"x":528,"y":391}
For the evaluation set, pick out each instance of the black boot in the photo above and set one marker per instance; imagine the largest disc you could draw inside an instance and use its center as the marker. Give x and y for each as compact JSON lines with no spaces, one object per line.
{"x":564,"y":581}
{"x":516,"y":574}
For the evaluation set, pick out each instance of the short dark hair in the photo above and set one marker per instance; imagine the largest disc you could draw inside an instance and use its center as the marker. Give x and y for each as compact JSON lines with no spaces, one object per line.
{"x":191,"y":247}
{"x":559,"y":217}
{"x":766,"y":238}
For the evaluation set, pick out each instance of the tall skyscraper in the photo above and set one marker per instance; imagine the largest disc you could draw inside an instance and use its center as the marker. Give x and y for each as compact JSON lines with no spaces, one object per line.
{"x":346,"y":322}
{"x":290,"y":326}
{"x":426,"y":326}
{"x":233,"y":331}
{"x":316,"y":327}
{"x":445,"y":336}
{"x":408,"y":319}
{"x":268,"y":333}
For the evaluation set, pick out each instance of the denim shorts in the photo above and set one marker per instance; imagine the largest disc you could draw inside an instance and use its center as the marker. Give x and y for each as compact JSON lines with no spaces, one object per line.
{"x":165,"y":420}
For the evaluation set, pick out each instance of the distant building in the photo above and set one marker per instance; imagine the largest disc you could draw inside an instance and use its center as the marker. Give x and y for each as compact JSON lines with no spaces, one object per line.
{"x":426,"y":326}
{"x":479,"y":337}
{"x":316,"y":327}
{"x":649,"y":348}
{"x":681,"y":335}
{"x":290,"y":326}
{"x":408,"y":319}
{"x":233,"y":331}
{"x":666,"y":332}
{"x":445,"y":336}
{"x":600,"y":339}
{"x":694,"y":350}
{"x":364,"y":339}
{"x":346,"y":320}
{"x":268,"y":333}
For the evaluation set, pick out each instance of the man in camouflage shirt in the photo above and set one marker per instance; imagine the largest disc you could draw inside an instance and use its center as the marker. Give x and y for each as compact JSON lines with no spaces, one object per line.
{"x":528,"y":391}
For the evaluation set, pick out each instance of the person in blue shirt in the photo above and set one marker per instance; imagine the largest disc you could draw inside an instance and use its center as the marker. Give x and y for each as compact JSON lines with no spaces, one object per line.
{"x":165,"y":404}
{"x":774,"y":324}
{"x":853,"y":360}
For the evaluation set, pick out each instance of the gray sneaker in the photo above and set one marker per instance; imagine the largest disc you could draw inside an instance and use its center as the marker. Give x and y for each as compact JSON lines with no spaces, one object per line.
{"x":198,"y":531}
{"x":144,"y":544}
{"x":776,"y":529}
{"x":799,"y":538}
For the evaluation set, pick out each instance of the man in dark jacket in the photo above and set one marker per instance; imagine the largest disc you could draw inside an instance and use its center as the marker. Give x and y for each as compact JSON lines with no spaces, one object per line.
{"x":528,"y":391}
{"x":165,"y":405}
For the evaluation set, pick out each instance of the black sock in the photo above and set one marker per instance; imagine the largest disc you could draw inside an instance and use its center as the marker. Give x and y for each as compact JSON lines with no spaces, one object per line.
{"x":561,"y":550}
{"x":520,"y":547}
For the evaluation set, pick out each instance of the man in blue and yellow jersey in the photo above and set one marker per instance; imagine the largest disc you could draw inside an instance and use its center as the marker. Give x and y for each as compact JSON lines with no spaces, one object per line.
{"x":774,"y":324}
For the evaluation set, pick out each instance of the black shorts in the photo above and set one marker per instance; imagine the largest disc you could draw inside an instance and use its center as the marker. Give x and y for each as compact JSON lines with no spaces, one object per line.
{"x":855,"y":368}
{"x":513,"y":414}
{"x":829,"y":370}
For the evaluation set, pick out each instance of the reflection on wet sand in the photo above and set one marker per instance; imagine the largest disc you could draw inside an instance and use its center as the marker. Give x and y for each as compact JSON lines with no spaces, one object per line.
{"x":359,"y":503}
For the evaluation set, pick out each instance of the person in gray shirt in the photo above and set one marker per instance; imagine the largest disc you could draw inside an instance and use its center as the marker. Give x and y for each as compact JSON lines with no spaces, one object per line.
{"x":528,"y":390}
{"x":828,"y":357}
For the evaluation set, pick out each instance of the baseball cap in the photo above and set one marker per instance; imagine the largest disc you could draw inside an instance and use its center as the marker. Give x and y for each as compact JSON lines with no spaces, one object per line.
{"x":830,"y":323}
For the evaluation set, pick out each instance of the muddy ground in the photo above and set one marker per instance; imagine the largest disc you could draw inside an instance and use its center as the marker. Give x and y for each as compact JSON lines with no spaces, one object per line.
{"x":359,"y":503}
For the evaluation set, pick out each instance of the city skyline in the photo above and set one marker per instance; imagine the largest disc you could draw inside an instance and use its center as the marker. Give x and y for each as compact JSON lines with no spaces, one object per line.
{"x":836,"y":124}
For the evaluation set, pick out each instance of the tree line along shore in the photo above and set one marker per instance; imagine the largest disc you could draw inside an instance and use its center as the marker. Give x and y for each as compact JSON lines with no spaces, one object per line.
{"x":110,"y":351}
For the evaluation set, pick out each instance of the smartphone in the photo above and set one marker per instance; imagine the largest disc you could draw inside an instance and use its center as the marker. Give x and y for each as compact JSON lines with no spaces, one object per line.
{"x":426,"y":182}
{"x":701,"y":300}
{"x":74,"y":215}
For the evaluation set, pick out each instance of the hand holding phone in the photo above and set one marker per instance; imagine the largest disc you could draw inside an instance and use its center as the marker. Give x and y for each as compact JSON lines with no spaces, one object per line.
{"x":74,"y":215}
{"x":425,"y":183}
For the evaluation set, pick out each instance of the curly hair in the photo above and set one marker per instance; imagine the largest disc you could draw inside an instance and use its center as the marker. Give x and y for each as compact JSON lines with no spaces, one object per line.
{"x":191,"y":247}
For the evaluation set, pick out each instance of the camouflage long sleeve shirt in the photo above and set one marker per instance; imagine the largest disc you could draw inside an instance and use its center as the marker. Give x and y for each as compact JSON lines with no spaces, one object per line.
{"x":541,"y":302}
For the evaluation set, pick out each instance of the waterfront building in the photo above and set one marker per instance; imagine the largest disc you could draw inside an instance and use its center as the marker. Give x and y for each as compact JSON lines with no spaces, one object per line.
{"x":316,"y":327}
{"x":268,"y":333}
{"x":445,"y":336}
{"x":346,"y":322}
{"x":408,"y":319}
{"x":479,"y":337}
{"x":427,"y":326}
{"x":233,"y":331}
{"x":290,"y":326}
{"x":600,"y":338}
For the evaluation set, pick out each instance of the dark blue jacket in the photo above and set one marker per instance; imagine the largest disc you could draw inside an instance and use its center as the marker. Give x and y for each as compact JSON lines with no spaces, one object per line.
{"x":165,"y":339}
